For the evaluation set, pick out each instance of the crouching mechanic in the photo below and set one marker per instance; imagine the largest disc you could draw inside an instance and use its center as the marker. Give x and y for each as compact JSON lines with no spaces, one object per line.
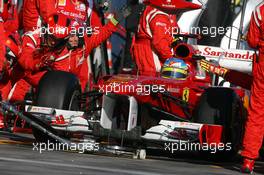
{"x":7,"y":24}
{"x":6,"y":15}
{"x":86,"y":14}
{"x":254,"y":129}
{"x":152,"y":43}
{"x":61,"y":47}
{"x":15,"y":83}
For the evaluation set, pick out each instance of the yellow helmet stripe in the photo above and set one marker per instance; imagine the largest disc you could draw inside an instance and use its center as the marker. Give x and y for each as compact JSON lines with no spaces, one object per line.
{"x":173,"y":69}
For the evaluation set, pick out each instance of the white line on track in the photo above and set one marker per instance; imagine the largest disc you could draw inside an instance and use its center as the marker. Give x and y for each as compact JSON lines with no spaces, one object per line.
{"x":100,"y":169}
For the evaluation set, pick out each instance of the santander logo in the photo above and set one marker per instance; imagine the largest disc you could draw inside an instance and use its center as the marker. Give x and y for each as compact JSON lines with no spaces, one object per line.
{"x":216,"y":52}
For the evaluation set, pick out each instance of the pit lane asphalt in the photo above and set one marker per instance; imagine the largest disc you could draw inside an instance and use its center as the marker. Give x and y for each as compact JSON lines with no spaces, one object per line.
{"x":18,"y":158}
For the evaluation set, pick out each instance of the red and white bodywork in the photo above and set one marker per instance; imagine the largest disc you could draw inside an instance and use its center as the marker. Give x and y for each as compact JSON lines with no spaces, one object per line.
{"x":62,"y":120}
{"x":234,"y":59}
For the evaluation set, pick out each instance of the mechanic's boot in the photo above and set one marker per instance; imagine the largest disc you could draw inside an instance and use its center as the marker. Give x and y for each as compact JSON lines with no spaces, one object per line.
{"x":248,"y":166}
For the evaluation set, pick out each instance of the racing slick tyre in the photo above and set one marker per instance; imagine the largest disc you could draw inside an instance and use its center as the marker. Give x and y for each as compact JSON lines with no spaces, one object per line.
{"x":222,"y":106}
{"x":60,"y":90}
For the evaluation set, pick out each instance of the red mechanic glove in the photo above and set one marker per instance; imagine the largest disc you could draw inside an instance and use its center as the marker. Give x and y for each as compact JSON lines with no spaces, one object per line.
{"x":45,"y":62}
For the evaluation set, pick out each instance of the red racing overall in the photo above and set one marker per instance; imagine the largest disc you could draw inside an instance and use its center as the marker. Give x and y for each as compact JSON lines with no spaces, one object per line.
{"x":255,"y":122}
{"x":80,"y":11}
{"x":71,"y":61}
{"x":84,"y":12}
{"x":34,"y":11}
{"x":152,"y":42}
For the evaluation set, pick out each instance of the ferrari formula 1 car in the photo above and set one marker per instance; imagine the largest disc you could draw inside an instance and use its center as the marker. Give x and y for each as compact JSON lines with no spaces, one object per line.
{"x":135,"y":112}
{"x":130,"y":111}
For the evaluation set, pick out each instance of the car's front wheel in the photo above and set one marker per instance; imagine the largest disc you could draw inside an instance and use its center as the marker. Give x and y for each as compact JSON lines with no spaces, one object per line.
{"x":60,"y":90}
{"x":222,"y":106}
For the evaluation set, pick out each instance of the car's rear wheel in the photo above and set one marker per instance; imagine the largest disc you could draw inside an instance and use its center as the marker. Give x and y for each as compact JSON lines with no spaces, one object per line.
{"x":222,"y":106}
{"x":60,"y":90}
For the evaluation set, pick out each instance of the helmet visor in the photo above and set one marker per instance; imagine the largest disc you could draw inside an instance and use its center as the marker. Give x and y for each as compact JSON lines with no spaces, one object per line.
{"x":174,"y":73}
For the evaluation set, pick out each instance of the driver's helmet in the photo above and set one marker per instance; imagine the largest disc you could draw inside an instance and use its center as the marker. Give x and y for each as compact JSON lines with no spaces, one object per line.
{"x":174,"y":68}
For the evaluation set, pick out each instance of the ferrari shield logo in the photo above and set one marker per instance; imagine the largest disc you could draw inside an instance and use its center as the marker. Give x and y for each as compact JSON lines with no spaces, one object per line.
{"x":62,"y":3}
{"x":185,"y":94}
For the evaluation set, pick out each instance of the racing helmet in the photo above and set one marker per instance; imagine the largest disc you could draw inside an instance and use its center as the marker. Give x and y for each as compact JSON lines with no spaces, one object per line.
{"x":174,"y":68}
{"x":58,"y":29}
{"x":172,"y":6}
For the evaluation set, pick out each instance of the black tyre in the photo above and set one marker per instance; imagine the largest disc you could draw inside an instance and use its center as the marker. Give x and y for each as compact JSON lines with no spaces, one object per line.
{"x":60,"y":90}
{"x":222,"y":106}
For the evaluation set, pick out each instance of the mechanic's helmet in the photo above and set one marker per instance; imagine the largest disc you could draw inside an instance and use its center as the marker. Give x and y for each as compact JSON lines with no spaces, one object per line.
{"x":172,"y":6}
{"x":58,"y":31}
{"x":174,"y":68}
{"x":12,"y":46}
{"x":5,"y":5}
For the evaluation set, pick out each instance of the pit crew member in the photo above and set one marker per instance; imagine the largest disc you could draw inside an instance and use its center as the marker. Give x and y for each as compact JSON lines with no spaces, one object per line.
{"x":8,"y":27}
{"x":2,"y":49}
{"x":35,"y":12}
{"x":58,"y":53}
{"x":10,"y":16}
{"x":8,"y":23}
{"x":85,"y":13}
{"x":151,"y":45}
{"x":254,"y":128}
{"x":13,"y":72}
{"x":11,"y":46}
{"x":82,"y":11}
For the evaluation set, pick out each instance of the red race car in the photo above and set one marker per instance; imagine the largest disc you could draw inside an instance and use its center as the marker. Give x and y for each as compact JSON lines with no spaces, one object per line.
{"x":179,"y":112}
{"x":131,"y":111}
